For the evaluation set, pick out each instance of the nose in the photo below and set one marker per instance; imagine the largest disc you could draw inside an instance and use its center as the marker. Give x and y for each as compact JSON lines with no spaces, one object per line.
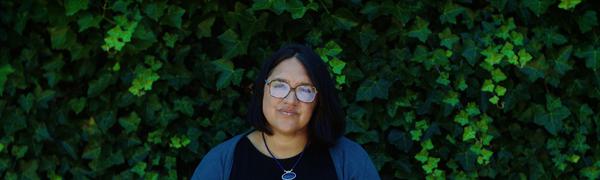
{"x":291,"y":97}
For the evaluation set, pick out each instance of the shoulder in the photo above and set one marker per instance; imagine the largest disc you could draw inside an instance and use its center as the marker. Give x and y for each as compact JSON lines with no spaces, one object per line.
{"x":217,"y":162}
{"x":347,"y":148}
{"x":352,"y":161}
{"x":348,"y":145}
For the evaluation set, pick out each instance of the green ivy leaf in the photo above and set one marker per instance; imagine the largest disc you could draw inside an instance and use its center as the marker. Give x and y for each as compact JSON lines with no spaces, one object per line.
{"x":538,"y":7}
{"x":587,"y":21}
{"x":296,"y":7}
{"x":139,"y":168}
{"x":121,"y":5}
{"x":5,"y":70}
{"x":568,"y":4}
{"x":447,"y":39}
{"x":494,"y":99}
{"x":578,"y":144}
{"x":591,"y":172}
{"x":504,"y":31}
{"x":26,"y":101}
{"x":173,"y":16}
{"x":371,"y":89}
{"x":144,"y":78}
{"x":420,"y":29}
{"x":121,"y":34}
{"x":488,"y":86}
{"x":77,"y":104}
{"x":278,"y":6}
{"x":155,"y":10}
{"x":500,"y":90}
{"x":472,"y":109}
{"x":367,"y":137}
{"x":462,"y":118}
{"x":344,"y":19}
{"x":170,"y":39}
{"x":452,"y":98}
{"x":492,"y":55}
{"x":179,"y":141}
{"x":552,"y":118}
{"x":443,"y":79}
{"x":485,"y":156}
{"x":470,"y":51}
{"x":591,"y":56}
{"x":498,"y":75}
{"x":461,"y":83}
{"x":427,"y":144}
{"x":91,"y":151}
{"x":449,"y":13}
{"x":72,"y":6}
{"x":18,"y":151}
{"x":130,"y":123}
{"x":332,"y":49}
{"x":89,"y":21}
{"x":561,"y":64}
{"x":232,"y":45}
{"x":226,"y":69}
{"x":549,"y":36}
{"x":366,"y":36}
{"x":422,"y":156}
{"x":337,"y":65}
{"x":524,"y":57}
{"x":98,"y":85}
{"x":431,"y":164}
{"x":507,"y":51}
{"x":584,"y":112}
{"x":262,"y":5}
{"x":204,"y":28}
{"x":61,"y":37}
{"x":422,"y":125}
{"x":468,"y":133}
{"x":415,"y":135}
{"x":517,"y":38}
{"x":185,"y":106}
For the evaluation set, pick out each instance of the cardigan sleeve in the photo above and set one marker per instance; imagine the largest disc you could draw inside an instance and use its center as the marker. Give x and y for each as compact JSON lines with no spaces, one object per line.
{"x":352,"y":162}
{"x":217,"y":163}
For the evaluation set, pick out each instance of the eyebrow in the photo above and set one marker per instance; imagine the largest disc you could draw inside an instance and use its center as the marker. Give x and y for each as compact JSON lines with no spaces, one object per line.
{"x":284,"y":80}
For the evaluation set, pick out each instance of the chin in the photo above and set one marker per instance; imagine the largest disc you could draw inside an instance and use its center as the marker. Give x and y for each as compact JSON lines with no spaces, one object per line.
{"x":287,"y":129}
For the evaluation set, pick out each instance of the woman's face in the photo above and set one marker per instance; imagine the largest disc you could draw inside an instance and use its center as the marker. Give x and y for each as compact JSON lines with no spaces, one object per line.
{"x":288,"y":115}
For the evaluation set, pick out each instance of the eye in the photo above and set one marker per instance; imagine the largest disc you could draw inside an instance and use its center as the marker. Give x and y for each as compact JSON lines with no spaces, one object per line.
{"x":277,"y":84}
{"x":306,"y":89}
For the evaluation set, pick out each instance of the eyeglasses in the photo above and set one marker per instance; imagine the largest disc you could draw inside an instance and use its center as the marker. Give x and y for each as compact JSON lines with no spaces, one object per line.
{"x":281,"y":89}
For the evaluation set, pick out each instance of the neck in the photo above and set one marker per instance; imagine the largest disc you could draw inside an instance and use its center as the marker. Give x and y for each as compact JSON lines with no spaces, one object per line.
{"x":286,"y":145}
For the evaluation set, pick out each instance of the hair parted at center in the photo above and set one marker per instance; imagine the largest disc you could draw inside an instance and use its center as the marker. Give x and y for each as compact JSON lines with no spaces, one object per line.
{"x":327,"y":122}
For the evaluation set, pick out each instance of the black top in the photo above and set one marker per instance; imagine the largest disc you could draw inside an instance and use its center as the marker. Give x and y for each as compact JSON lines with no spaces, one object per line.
{"x":249,"y":163}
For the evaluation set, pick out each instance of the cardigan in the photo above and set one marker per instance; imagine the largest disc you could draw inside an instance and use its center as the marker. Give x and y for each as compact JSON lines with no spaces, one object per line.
{"x":351,"y":161}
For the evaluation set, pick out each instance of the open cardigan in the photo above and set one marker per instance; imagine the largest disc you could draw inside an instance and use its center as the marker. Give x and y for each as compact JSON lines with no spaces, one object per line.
{"x":351,"y":161}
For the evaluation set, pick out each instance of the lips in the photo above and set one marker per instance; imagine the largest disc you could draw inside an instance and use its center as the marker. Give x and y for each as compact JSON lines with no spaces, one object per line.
{"x":288,"y":112}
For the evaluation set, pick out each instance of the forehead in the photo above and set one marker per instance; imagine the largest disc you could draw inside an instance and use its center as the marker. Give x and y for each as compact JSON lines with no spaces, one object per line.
{"x":291,"y":71}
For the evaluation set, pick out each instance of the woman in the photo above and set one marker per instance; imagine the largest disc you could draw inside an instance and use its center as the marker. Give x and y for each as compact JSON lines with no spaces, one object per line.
{"x":299,"y":127}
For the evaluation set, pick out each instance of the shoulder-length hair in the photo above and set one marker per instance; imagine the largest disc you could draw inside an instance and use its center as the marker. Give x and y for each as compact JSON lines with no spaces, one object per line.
{"x":327,"y":122}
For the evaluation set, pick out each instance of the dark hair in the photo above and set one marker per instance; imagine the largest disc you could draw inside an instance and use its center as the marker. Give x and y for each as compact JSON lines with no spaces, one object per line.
{"x":327,"y":122}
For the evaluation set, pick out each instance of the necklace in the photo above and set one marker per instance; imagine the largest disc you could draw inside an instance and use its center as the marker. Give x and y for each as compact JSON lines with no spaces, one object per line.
{"x":287,"y":174}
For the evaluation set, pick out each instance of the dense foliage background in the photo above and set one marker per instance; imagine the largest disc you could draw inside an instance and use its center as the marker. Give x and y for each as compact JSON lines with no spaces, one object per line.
{"x":460,"y":89}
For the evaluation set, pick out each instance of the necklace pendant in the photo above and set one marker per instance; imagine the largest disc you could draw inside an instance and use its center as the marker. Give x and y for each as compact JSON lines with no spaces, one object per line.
{"x":288,"y":175}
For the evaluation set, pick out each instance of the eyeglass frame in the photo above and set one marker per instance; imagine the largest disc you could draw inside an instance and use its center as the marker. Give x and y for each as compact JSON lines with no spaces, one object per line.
{"x":268,"y":83}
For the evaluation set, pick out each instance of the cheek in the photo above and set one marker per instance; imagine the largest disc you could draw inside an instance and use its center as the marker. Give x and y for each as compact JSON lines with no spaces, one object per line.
{"x":268,"y":106}
{"x":308,"y":111}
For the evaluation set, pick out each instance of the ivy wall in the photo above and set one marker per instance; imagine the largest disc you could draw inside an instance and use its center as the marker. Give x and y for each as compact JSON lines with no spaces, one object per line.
{"x":463,"y":89}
